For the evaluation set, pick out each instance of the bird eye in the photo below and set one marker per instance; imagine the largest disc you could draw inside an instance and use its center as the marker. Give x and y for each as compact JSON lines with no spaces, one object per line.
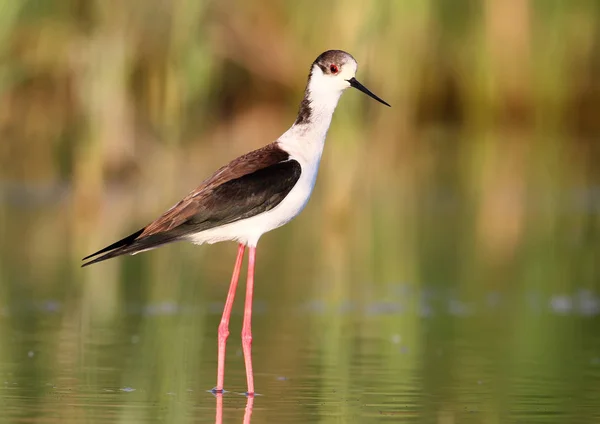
{"x":334,"y":69}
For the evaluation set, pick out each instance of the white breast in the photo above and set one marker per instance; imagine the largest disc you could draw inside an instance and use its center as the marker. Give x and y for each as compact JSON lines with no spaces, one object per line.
{"x":304,"y":143}
{"x":248,"y":231}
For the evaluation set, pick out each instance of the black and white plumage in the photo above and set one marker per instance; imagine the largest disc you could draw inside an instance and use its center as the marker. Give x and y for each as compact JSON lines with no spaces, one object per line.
{"x":252,"y":184}
{"x":253,"y":194}
{"x":260,"y":190}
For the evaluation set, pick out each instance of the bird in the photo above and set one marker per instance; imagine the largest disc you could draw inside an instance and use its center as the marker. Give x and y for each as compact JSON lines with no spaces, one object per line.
{"x":253,"y":194}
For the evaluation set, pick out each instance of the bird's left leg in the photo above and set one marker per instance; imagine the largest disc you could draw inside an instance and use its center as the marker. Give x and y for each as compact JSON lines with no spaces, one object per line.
{"x":224,"y":325}
{"x":247,"y":325}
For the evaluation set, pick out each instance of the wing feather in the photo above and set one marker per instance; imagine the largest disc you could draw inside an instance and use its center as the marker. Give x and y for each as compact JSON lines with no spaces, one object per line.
{"x":249,"y":185}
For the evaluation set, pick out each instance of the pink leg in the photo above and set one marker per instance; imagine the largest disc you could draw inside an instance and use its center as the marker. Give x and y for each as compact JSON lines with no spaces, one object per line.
{"x":247,"y":326}
{"x":224,"y":326}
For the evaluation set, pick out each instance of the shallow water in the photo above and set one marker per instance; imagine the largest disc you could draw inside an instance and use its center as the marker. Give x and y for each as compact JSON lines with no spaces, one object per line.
{"x":352,"y":323}
{"x":155,"y":362}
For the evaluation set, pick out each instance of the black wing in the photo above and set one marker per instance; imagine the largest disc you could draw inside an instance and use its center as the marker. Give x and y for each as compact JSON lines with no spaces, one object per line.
{"x":234,"y":200}
{"x":245,"y":197}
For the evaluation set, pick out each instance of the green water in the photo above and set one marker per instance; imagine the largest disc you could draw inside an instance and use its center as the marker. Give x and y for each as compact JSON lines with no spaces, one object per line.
{"x":446,"y":269}
{"x":340,"y":335}
{"x":155,"y":362}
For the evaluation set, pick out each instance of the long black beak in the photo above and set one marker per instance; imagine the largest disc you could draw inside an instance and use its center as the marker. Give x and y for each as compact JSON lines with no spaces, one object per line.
{"x":354,"y":83}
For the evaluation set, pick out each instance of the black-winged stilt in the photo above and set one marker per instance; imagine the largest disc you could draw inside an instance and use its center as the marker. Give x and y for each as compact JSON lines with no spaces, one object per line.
{"x":253,"y":194}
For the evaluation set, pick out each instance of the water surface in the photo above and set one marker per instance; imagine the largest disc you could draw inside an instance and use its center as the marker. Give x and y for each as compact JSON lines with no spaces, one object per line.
{"x":346,"y":362}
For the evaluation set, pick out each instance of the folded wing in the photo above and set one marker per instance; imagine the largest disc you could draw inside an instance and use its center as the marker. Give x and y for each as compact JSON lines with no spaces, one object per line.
{"x":249,"y":185}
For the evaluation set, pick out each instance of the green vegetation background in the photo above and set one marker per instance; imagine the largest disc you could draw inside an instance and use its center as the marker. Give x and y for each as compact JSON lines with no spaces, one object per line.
{"x":482,"y":177}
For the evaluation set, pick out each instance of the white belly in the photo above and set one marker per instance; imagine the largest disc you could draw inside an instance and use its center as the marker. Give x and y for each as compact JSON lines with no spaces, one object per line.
{"x":304,"y":146}
{"x":248,"y":231}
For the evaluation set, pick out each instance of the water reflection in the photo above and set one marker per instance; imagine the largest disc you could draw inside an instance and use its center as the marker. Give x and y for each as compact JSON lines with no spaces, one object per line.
{"x":247,"y":410}
{"x":219,"y":413}
{"x":362,"y":362}
{"x":429,"y":329}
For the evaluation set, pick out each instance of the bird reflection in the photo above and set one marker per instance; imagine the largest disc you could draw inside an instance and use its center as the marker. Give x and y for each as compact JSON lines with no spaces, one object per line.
{"x":219,"y":415}
{"x":247,"y":412}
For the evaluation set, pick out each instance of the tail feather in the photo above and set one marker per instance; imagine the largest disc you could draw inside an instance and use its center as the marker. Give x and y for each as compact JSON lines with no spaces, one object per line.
{"x":127,"y":241}
{"x":131,"y":245}
{"x":109,"y":255}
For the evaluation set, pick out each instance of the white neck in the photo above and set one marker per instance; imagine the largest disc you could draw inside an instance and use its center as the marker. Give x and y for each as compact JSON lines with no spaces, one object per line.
{"x":320,"y":118}
{"x":308,"y":137}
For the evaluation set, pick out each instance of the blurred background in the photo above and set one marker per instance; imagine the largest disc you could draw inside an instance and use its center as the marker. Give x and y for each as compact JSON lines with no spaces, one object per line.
{"x":447,"y":268}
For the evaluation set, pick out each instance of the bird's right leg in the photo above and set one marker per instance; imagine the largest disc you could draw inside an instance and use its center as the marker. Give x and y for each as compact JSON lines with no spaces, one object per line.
{"x":224,"y":325}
